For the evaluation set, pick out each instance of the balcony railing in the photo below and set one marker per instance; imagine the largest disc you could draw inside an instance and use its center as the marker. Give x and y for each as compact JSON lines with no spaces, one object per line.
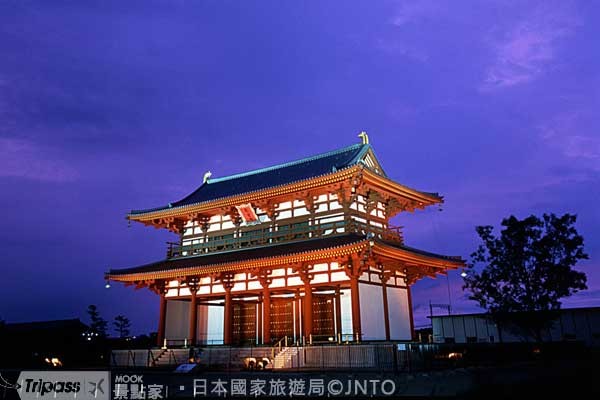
{"x":259,"y":235}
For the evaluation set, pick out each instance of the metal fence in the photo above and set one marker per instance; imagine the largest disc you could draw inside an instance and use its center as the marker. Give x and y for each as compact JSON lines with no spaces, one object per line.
{"x":344,"y":356}
{"x":396,"y":357}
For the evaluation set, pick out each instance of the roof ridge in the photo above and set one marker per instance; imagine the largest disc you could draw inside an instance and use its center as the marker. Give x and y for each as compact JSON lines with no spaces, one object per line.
{"x":171,"y":206}
{"x":286,"y":164}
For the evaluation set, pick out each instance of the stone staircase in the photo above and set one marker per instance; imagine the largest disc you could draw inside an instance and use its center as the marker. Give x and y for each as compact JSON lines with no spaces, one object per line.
{"x":286,"y":357}
{"x":217,"y":357}
{"x":168,"y":357}
{"x":232,"y":357}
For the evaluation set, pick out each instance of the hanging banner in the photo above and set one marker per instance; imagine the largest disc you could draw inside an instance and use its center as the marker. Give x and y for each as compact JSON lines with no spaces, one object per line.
{"x":248,"y":214}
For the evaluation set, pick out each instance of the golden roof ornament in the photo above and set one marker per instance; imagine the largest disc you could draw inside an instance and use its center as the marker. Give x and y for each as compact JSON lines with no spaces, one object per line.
{"x":365,"y":138}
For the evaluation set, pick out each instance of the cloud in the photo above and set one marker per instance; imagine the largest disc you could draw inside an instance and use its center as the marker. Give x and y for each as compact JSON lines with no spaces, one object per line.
{"x":401,"y":40}
{"x":408,"y":12}
{"x":20,"y":158}
{"x":583,"y":147}
{"x":528,"y":48}
{"x":586,"y":298}
{"x":404,"y":49}
{"x":572,"y":133}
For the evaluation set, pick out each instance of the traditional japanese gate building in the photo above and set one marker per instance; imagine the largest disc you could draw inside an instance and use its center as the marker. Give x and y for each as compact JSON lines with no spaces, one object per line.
{"x":302,"y":249}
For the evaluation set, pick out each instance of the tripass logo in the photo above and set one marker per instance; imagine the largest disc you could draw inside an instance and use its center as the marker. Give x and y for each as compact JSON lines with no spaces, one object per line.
{"x":63,"y":385}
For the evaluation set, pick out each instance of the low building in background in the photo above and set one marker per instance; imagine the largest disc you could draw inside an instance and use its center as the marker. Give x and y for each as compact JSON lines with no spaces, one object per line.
{"x":572,"y":324}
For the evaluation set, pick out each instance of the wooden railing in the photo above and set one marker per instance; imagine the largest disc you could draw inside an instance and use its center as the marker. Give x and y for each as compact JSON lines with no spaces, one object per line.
{"x":298,"y":230}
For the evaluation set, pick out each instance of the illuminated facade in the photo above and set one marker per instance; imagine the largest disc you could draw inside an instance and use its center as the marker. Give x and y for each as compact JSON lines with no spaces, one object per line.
{"x":302,"y":250}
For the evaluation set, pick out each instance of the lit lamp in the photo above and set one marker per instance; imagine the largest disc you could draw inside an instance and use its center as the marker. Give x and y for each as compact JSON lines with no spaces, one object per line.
{"x":463,"y":273}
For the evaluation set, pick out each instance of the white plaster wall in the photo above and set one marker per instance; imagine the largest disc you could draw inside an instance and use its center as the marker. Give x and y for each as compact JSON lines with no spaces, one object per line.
{"x":346,"y":308}
{"x":399,"y":314}
{"x":177,"y":320}
{"x":202,"y":326}
{"x":371,"y":312}
{"x":215,"y":325}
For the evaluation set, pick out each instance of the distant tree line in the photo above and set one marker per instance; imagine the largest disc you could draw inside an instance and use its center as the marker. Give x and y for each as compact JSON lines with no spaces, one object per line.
{"x":99,"y":325}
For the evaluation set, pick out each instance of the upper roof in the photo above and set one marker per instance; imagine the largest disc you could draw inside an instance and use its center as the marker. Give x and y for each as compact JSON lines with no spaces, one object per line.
{"x":276,"y":175}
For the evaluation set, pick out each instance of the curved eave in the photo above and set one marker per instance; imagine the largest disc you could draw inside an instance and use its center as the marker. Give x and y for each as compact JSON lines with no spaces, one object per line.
{"x":388,"y":185}
{"x":307,"y":256}
{"x":247,"y":197}
{"x":408,"y":256}
{"x":422,"y":198}
{"x":415,"y":257}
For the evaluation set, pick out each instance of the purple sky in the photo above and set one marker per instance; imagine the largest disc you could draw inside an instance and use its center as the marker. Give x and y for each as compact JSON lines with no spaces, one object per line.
{"x":108,"y":106}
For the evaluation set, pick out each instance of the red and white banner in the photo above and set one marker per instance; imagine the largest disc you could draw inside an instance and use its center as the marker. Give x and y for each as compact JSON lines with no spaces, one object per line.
{"x":248,"y":214}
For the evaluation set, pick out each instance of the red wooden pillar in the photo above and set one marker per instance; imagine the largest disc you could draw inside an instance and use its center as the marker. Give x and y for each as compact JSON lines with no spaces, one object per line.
{"x":298,"y":302}
{"x":227,"y":280}
{"x":266,"y":315}
{"x":259,"y":318}
{"x":228,"y":317}
{"x":354,"y":294}
{"x":193,"y":317}
{"x":162,"y":320}
{"x":304,"y":271}
{"x":386,"y":312}
{"x":263,"y":324}
{"x":338,"y":311}
{"x":410,"y":312}
{"x":307,"y":312}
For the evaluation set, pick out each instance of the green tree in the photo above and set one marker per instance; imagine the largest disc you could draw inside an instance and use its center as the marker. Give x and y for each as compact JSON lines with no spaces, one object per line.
{"x":527,"y":270}
{"x":98,"y":324}
{"x":122,"y":325}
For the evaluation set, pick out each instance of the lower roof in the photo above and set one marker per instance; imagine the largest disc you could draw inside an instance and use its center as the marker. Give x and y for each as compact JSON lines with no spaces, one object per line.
{"x":207,"y":262}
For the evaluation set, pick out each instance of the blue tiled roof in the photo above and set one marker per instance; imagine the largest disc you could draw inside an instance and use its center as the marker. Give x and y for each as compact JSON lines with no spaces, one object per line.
{"x":267,"y":251}
{"x":242,"y":254}
{"x":277,"y":175}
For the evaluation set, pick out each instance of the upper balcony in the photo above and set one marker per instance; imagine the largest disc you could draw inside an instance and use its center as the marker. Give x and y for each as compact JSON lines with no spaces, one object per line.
{"x":259,"y":235}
